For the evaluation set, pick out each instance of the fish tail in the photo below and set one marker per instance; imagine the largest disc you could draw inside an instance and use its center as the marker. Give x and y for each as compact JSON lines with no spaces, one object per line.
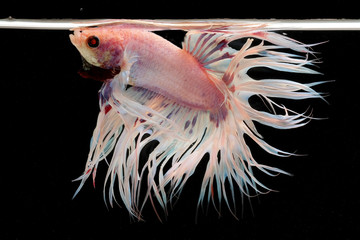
{"x":230,"y":158}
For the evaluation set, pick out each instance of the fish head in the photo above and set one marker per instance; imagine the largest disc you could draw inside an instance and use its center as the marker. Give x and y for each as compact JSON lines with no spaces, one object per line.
{"x":98,"y":46}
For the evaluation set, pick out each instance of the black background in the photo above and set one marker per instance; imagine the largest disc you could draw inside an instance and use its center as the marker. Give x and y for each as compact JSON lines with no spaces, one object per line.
{"x":49,"y":113}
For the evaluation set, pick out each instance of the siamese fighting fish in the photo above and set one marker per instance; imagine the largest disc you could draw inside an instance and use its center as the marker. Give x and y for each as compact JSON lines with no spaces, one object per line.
{"x":192,"y":104}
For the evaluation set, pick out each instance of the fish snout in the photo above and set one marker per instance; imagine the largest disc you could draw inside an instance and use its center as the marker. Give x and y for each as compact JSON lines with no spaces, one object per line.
{"x":75,"y":37}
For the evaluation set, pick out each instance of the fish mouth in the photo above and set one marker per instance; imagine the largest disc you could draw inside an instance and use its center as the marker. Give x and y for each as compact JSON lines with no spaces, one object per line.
{"x":72,"y":38}
{"x":75,"y":37}
{"x":75,"y":40}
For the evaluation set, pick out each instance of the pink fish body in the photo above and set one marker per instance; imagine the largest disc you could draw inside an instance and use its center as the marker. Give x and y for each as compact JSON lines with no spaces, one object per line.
{"x":163,"y":67}
{"x":194,"y":101}
{"x":189,"y":78}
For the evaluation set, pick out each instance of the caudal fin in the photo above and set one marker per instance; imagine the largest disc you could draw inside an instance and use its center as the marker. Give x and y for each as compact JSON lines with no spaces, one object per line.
{"x":231,"y":68}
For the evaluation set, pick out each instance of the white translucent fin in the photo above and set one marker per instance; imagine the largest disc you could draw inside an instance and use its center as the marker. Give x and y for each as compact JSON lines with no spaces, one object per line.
{"x":210,"y":49}
{"x":132,"y":118}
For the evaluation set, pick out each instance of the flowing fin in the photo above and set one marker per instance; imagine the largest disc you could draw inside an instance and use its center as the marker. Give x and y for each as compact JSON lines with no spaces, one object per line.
{"x":210,"y":49}
{"x":232,"y":67}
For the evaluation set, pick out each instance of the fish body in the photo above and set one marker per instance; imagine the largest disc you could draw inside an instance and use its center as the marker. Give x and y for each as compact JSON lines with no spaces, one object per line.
{"x":159,"y":66}
{"x":173,"y":72}
{"x":194,"y":101}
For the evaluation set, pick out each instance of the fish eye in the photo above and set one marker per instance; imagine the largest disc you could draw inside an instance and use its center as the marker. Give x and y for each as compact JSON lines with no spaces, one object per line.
{"x":93,"y":41}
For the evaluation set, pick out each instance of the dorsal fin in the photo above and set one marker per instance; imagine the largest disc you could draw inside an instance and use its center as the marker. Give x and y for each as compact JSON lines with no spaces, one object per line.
{"x":210,"y":49}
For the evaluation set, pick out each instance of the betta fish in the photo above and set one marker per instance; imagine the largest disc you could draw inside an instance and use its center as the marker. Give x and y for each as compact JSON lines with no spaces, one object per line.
{"x":192,"y":101}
